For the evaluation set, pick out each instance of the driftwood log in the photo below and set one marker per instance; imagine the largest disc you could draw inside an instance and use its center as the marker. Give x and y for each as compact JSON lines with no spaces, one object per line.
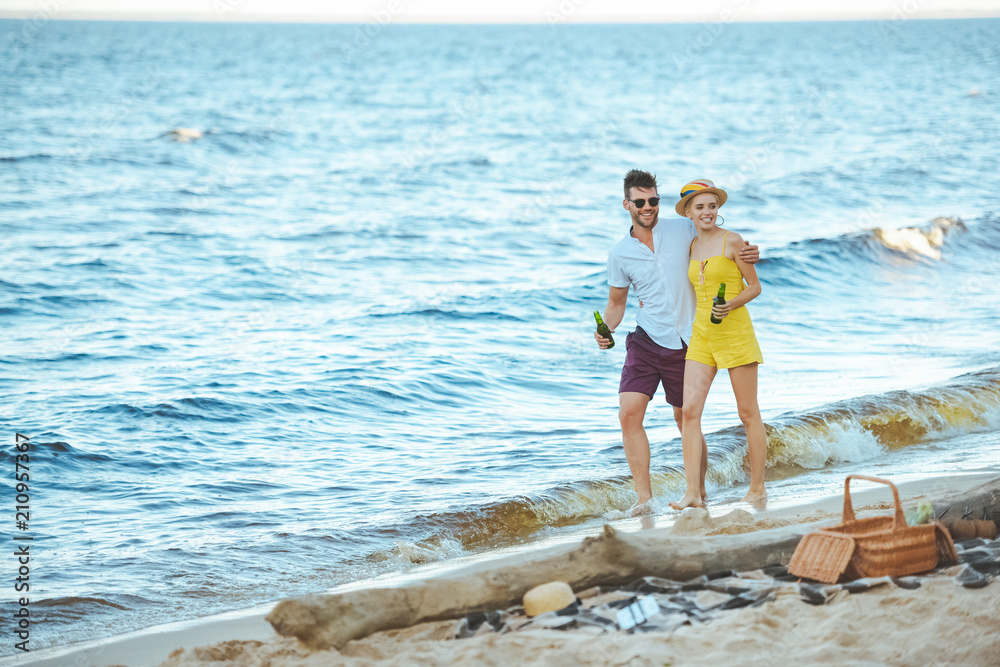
{"x":610,"y":559}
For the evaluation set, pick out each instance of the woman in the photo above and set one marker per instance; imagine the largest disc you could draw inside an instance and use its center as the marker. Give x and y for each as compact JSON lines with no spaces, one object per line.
{"x":729,"y":344}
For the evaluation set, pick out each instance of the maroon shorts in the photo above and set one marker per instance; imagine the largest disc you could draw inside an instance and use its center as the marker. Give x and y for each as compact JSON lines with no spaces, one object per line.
{"x":647,"y":364}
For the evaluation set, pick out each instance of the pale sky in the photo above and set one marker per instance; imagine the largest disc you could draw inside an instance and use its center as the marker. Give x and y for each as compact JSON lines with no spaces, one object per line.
{"x":541,"y":11}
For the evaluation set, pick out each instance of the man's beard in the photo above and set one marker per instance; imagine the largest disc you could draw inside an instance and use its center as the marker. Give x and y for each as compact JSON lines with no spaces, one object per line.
{"x":638,"y":221}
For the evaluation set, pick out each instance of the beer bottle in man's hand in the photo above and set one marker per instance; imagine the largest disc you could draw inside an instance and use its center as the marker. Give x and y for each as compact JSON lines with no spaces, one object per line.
{"x":719,"y":299}
{"x":603,"y":329}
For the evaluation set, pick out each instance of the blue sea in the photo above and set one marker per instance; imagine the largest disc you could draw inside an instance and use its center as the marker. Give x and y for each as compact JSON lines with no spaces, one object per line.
{"x":290,"y":306}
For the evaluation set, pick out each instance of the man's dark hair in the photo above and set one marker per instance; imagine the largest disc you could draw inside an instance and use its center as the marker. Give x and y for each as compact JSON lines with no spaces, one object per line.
{"x":639,"y":179}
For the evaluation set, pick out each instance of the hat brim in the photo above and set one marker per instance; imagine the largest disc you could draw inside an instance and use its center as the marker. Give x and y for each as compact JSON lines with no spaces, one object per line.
{"x":682,"y":204}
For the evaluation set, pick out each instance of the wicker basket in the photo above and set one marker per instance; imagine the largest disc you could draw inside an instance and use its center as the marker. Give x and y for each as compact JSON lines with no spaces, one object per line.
{"x":874,"y":547}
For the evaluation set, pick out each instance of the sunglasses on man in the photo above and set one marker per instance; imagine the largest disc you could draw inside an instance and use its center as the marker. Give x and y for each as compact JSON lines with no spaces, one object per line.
{"x":639,"y":203}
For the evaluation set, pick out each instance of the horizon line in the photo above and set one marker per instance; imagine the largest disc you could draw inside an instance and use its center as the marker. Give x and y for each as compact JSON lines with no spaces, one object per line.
{"x":523,"y":19}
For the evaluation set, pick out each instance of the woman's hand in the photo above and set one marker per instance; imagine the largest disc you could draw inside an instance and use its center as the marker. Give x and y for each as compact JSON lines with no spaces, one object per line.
{"x":720,"y":311}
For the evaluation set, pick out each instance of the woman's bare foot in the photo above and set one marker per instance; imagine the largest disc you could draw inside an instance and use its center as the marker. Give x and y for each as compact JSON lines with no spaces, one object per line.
{"x":688,"y":500}
{"x":757,"y":498}
{"x":641,"y":509}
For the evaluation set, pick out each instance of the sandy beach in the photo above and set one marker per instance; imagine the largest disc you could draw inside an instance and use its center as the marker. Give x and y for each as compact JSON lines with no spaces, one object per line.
{"x":939,"y":623}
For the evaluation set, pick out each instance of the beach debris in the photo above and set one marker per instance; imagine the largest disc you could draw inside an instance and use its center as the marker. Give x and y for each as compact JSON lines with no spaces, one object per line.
{"x":817,"y":593}
{"x":658,"y":604}
{"x":183,"y":134}
{"x":908,"y":583}
{"x":552,"y":596}
{"x":964,"y":529}
{"x":693,"y":521}
{"x":981,"y":555}
{"x":608,"y":558}
{"x":637,"y":612}
{"x":480,"y":623}
{"x":920,"y":514}
{"x":969,"y":577}
{"x":867,"y":583}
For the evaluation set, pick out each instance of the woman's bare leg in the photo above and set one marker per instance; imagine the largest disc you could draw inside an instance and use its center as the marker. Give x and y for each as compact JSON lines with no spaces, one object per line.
{"x":697,"y":381}
{"x":744,"y":381}
{"x":679,"y":418}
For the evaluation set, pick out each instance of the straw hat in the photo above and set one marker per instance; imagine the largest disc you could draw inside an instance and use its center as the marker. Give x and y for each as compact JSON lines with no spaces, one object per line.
{"x":552,"y":596}
{"x":695,"y":188}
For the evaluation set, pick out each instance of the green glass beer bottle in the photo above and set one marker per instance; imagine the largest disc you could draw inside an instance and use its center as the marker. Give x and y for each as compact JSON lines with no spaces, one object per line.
{"x":603,"y":329}
{"x":718,"y":301}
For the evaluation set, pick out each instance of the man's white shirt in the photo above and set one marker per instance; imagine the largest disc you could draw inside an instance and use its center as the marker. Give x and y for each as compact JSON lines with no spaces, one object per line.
{"x":659,"y":278}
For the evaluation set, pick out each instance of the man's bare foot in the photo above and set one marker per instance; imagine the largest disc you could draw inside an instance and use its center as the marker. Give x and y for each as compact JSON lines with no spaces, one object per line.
{"x":687,"y":501}
{"x":641,"y":509}
{"x":756,"y":498}
{"x":704,"y":496}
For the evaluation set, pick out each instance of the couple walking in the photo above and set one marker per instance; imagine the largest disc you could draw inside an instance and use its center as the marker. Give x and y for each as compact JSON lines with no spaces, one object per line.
{"x":675,"y":269}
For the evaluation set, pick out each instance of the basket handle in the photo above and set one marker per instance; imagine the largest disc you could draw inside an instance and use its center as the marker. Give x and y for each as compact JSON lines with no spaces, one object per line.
{"x":900,"y":521}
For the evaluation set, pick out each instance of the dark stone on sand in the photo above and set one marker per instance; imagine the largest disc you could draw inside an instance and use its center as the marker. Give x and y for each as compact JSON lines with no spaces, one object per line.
{"x":654,"y":585}
{"x":474,"y":620}
{"x":569,"y":610}
{"x":974,"y":555}
{"x":970,"y":578}
{"x":730,"y":590}
{"x":859,"y":585}
{"x":720,"y":575}
{"x":965,"y":545}
{"x":776,"y":570}
{"x":908,"y":583}
{"x":621,"y":604}
{"x":816,"y":593}
{"x":738,"y":602}
{"x":988,"y":567}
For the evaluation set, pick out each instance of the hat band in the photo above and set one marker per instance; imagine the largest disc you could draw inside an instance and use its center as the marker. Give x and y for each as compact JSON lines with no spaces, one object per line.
{"x":694,"y":187}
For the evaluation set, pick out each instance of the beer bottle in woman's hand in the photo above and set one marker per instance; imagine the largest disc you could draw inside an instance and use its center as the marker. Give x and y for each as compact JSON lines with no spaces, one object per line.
{"x":719,"y":299}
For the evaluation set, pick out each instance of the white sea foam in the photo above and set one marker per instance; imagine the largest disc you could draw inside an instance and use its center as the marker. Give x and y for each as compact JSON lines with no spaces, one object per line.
{"x":833,"y":444}
{"x":917,"y":241}
{"x":428,"y":551}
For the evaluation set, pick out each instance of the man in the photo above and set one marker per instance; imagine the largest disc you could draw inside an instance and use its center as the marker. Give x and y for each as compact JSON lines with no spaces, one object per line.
{"x":653,"y":260}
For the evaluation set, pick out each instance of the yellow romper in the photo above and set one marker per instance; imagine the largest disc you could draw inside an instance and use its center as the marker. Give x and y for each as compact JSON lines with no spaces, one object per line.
{"x":732,"y":342}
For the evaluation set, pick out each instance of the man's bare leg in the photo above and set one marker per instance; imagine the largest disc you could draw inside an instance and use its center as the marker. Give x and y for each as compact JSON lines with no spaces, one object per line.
{"x":697,"y":381}
{"x":631,"y":412}
{"x":679,"y":418}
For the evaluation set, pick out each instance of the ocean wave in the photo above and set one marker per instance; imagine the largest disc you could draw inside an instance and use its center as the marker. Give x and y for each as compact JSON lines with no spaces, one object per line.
{"x":858,"y":429}
{"x":25,"y":158}
{"x":452,"y":314}
{"x":213,"y":410}
{"x":921,"y":243}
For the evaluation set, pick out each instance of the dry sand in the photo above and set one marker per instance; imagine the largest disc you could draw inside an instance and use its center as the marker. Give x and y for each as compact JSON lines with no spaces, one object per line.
{"x":940,"y":623}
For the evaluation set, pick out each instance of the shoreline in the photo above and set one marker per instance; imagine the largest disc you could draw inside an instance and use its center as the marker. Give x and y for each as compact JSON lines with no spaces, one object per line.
{"x":154,"y":645}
